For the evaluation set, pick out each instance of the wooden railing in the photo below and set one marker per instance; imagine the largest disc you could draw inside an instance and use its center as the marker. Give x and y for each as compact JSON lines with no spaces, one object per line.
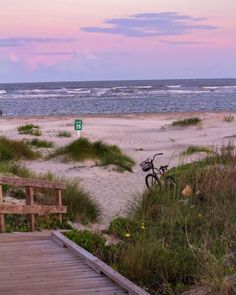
{"x":30,"y":208}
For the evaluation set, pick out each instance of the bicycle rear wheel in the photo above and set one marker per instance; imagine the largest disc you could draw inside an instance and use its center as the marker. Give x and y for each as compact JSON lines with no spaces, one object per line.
{"x":153,"y":182}
{"x":169,"y":182}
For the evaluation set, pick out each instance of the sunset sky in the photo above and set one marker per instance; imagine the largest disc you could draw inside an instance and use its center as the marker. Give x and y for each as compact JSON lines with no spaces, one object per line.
{"x":73,"y":40}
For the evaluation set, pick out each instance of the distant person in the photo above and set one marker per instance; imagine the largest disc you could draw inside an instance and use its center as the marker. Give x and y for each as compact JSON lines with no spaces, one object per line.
{"x":0,"y":112}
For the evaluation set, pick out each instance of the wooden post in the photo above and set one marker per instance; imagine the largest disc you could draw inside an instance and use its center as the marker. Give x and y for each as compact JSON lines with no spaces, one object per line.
{"x":30,"y":201}
{"x":58,"y":201}
{"x":2,"y":221}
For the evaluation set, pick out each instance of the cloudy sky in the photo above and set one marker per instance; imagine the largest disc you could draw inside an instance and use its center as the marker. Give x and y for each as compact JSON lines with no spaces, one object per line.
{"x":64,"y":40}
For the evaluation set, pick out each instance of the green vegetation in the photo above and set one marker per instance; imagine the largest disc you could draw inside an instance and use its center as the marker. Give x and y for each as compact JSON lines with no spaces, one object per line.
{"x":82,"y":149}
{"x":64,"y":134}
{"x":15,"y":150}
{"x":197,"y":149}
{"x":81,"y":207}
{"x":14,"y":169}
{"x":19,"y":223}
{"x":229,"y":118}
{"x":40,"y":143}
{"x":169,"y":242}
{"x":90,"y":241}
{"x":29,"y":129}
{"x":187,"y":122}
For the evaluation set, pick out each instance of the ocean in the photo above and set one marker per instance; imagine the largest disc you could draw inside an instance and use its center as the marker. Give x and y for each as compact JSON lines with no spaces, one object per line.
{"x":114,"y":97}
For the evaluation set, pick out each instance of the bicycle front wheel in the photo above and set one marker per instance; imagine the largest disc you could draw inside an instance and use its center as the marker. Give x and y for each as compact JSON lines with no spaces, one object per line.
{"x":152,"y":181}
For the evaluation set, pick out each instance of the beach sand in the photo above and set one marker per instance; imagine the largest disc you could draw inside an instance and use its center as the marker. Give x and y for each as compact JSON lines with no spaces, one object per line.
{"x":138,"y":135}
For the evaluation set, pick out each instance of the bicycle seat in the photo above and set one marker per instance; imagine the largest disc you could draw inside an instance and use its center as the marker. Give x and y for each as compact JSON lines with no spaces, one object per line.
{"x":164,"y":167}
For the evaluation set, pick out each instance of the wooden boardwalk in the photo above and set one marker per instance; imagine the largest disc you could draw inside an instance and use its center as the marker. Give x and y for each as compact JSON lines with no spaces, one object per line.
{"x":35,"y":264}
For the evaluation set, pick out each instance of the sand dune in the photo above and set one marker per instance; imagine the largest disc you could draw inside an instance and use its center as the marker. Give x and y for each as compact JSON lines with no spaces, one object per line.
{"x":139,"y":136}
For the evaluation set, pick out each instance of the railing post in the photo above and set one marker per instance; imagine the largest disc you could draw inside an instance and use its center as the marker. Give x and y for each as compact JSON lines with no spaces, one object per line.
{"x":2,"y":221}
{"x":58,"y":201}
{"x":30,"y":201}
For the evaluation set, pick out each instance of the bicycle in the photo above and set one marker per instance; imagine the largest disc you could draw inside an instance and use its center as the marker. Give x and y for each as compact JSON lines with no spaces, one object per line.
{"x":153,"y":179}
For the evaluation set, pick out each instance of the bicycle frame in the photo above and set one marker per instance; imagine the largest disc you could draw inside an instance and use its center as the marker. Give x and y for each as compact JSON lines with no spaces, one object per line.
{"x":155,"y":170}
{"x":157,"y":176}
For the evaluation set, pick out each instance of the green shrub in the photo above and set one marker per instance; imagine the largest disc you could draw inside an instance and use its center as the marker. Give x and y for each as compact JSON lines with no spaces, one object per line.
{"x":6,"y":154}
{"x":119,"y":226}
{"x":40,"y":143}
{"x":92,"y":242}
{"x":19,"y":223}
{"x":29,"y":129}
{"x":64,"y":134}
{"x":126,"y":229}
{"x":82,"y":149}
{"x":14,"y":150}
{"x":16,"y":222}
{"x":156,"y":266}
{"x":187,"y":122}
{"x":81,"y":207}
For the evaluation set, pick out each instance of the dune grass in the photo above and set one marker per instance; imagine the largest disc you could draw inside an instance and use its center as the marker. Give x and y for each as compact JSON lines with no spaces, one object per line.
{"x":81,"y":207}
{"x":229,"y":119}
{"x":40,"y":143}
{"x":64,"y":134}
{"x":187,"y":122}
{"x":15,"y":150}
{"x":29,"y":129}
{"x":14,"y":169}
{"x":197,"y":149}
{"x":170,"y":242}
{"x":82,"y":149}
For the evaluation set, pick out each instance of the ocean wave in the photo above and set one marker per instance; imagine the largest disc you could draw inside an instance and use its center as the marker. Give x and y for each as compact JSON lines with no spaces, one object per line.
{"x":79,"y":91}
{"x":173,"y":86}
{"x":211,"y":87}
{"x":141,"y":87}
{"x":38,"y":91}
{"x":177,"y":91}
{"x":229,"y":87}
{"x":131,"y":87}
{"x":119,"y":87}
{"x":36,"y":96}
{"x":2,"y":92}
{"x":26,"y":91}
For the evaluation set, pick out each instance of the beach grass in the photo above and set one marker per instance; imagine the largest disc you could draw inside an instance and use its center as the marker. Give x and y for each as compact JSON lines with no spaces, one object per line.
{"x":197,"y":149}
{"x":81,"y":207}
{"x":15,"y":150}
{"x":30,"y":129}
{"x":180,"y":241}
{"x":229,"y":119}
{"x":82,"y":149}
{"x":187,"y":122}
{"x":64,"y":134}
{"x":40,"y":143}
{"x":14,"y":169}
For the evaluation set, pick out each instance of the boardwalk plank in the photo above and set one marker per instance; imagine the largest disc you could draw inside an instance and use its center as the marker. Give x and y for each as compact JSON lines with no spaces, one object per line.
{"x":34,"y":265}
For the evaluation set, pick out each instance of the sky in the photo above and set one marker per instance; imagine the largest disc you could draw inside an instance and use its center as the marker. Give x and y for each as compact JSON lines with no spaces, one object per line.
{"x":84,"y":40}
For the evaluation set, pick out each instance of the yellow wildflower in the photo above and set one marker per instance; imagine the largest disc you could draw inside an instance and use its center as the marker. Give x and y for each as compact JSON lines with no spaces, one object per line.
{"x":142,"y":225}
{"x":127,"y":235}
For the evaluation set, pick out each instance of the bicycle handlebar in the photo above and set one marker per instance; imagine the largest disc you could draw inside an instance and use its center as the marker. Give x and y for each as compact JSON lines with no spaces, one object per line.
{"x":158,"y":154}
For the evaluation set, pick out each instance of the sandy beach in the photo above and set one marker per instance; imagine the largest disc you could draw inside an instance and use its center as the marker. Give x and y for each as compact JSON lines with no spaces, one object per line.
{"x":138,"y":135}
